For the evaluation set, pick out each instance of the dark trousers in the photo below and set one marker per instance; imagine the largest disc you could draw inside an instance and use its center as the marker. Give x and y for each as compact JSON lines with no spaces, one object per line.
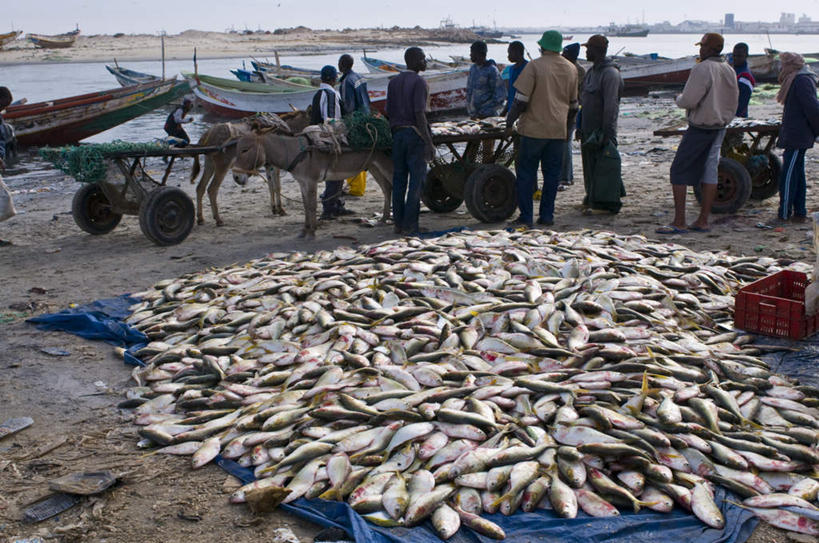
{"x":792,"y":185}
{"x":408,"y":164}
{"x":534,"y":152}
{"x":178,"y":132}
{"x":331,"y":197}
{"x":566,"y":171}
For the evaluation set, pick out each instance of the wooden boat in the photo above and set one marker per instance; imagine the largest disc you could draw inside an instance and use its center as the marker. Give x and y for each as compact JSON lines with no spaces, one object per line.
{"x":627,"y":31}
{"x":657,"y":73}
{"x":447,"y":93}
{"x":376,"y":65}
{"x":568,"y":38}
{"x":69,"y":120}
{"x":271,"y":84}
{"x":284,"y":70}
{"x":127,"y":77}
{"x":9,"y":37}
{"x":60,"y":41}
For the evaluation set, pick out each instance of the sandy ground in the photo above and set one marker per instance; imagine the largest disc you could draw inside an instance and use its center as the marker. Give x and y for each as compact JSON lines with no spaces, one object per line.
{"x":49,"y":263}
{"x":301,"y":40}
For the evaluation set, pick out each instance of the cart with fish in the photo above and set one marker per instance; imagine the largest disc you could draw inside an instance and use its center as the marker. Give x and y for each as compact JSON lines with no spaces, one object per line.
{"x":472,"y":165}
{"x":748,"y":167}
{"x":116,"y":181}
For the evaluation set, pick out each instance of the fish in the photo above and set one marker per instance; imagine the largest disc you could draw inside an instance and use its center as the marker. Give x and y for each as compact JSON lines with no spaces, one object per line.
{"x":478,"y":372}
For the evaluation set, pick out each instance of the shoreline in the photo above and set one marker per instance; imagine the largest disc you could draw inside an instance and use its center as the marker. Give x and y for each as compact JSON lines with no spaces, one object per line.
{"x":219,"y":45}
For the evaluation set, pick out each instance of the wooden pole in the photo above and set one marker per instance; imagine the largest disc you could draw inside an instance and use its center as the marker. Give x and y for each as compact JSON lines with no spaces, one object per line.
{"x":278,"y":63}
{"x":163,"y":53}
{"x":195,"y":64}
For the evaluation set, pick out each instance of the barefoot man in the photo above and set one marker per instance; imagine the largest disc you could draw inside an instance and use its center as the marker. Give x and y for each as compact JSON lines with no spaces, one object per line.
{"x":710,"y":99}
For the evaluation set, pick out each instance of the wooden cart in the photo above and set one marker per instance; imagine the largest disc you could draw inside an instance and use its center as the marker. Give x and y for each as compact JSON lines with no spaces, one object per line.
{"x":473,"y":168}
{"x":748,"y":167}
{"x":166,"y":214}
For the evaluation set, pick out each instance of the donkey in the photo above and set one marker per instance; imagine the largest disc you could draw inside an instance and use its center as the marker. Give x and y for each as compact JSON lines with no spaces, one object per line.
{"x":218,"y":163}
{"x":310,"y":166}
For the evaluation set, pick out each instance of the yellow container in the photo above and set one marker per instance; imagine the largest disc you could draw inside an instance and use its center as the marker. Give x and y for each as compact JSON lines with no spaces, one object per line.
{"x":358,"y":184}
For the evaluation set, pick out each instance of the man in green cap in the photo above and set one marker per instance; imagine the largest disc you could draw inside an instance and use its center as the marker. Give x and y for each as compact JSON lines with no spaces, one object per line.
{"x":546,"y":94}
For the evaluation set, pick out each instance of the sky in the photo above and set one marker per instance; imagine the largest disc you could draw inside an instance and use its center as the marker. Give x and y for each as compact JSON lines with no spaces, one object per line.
{"x":152,"y":16}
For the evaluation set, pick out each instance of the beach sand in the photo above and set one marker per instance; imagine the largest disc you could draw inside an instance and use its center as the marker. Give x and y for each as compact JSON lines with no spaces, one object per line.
{"x":301,"y":40}
{"x":50,"y":264}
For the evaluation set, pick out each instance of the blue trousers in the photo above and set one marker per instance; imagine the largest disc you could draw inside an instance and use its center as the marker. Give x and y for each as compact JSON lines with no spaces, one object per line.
{"x":331,"y":197}
{"x":792,"y":185}
{"x":532,"y":153}
{"x":408,"y":165}
{"x":566,"y":170}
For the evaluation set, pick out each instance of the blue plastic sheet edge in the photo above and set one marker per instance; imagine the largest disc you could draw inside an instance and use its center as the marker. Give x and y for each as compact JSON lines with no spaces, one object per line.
{"x":99,"y":320}
{"x":542,"y":525}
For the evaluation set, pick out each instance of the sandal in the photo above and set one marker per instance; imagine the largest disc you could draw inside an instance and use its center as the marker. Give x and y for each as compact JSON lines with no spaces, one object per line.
{"x":670,"y":229}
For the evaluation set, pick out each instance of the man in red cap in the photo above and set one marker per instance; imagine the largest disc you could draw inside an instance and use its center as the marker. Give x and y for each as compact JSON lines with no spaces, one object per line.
{"x":600,"y":99}
{"x":710,"y":99}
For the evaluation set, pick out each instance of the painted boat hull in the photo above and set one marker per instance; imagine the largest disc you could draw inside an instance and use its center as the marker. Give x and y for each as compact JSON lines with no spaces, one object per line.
{"x":447,"y":93}
{"x":70,"y":120}
{"x":9,"y":37}
{"x":53,"y":42}
{"x":659,"y":73}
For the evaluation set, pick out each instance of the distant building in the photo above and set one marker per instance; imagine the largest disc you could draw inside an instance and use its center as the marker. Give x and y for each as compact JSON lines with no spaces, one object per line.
{"x":729,"y":20}
{"x":787,"y":19}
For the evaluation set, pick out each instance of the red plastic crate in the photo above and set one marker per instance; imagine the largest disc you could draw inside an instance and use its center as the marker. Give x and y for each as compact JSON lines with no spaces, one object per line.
{"x":775,"y":306}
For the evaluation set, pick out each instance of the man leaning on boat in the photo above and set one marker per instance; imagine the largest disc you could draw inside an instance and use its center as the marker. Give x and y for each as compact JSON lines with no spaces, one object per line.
{"x":6,"y":139}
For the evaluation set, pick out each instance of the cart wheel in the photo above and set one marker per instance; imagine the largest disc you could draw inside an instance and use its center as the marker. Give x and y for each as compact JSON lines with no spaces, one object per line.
{"x":766,"y":182}
{"x":490,"y":193}
{"x":434,"y":194}
{"x":733,"y":187}
{"x":166,"y":216}
{"x":92,"y":211}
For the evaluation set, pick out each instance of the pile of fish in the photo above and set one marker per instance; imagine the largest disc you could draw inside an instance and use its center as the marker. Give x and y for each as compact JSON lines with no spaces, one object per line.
{"x":481,"y":372}
{"x":469,"y":127}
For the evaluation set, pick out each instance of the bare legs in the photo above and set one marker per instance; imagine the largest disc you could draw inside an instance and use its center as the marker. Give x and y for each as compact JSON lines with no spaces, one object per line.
{"x":709,"y":193}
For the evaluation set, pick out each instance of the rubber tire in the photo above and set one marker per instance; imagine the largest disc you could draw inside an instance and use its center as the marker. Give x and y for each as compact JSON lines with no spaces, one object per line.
{"x":434,"y":194}
{"x":490,"y":193}
{"x":734,"y":179}
{"x":771,"y":187}
{"x":166,"y":216}
{"x":92,"y":210}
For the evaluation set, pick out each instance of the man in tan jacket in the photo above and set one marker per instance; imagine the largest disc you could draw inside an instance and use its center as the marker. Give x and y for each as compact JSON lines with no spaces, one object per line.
{"x":710,"y":99}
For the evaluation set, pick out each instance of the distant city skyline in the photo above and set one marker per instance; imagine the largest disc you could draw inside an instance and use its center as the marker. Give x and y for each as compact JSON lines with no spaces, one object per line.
{"x":152,"y":16}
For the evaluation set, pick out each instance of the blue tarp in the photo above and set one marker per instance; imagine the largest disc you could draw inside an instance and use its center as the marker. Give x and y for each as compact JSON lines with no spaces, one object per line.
{"x":100,"y":320}
{"x":543,"y":525}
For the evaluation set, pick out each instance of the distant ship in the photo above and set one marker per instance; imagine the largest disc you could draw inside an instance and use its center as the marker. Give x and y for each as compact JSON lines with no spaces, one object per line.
{"x":627,"y":31}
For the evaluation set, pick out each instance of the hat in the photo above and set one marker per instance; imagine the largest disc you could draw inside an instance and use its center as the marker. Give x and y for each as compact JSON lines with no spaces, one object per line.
{"x":598,"y":41}
{"x":552,"y":40}
{"x":571,"y":51}
{"x":713,"y":40}
{"x":328,"y":73}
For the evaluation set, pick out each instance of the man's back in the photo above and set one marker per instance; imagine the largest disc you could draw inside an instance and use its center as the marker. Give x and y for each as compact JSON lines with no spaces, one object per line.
{"x":550,"y":83}
{"x":406,"y":95}
{"x":711,"y":94}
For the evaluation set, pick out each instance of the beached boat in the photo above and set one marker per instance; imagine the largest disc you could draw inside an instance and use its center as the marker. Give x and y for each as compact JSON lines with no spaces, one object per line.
{"x":126,"y":77}
{"x":447,"y":93}
{"x":9,"y":37}
{"x":284,"y":70}
{"x":60,"y":41}
{"x":271,"y":83}
{"x":376,"y":65}
{"x":69,"y":120}
{"x":657,"y":73}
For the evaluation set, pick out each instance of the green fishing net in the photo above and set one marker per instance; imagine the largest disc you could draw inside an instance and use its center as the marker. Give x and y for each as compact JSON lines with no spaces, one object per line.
{"x":365,"y":130}
{"x":86,"y":163}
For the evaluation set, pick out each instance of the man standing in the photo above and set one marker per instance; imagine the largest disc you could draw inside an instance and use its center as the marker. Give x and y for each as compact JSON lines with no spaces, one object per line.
{"x":517,"y":62}
{"x":173,"y":124}
{"x":602,"y":88}
{"x":327,"y":107}
{"x":710,"y":99}
{"x":570,"y":53}
{"x":546,"y":93}
{"x":800,"y":128}
{"x":354,"y":97}
{"x":485,"y":93}
{"x":407,"y":96}
{"x":745,"y":79}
